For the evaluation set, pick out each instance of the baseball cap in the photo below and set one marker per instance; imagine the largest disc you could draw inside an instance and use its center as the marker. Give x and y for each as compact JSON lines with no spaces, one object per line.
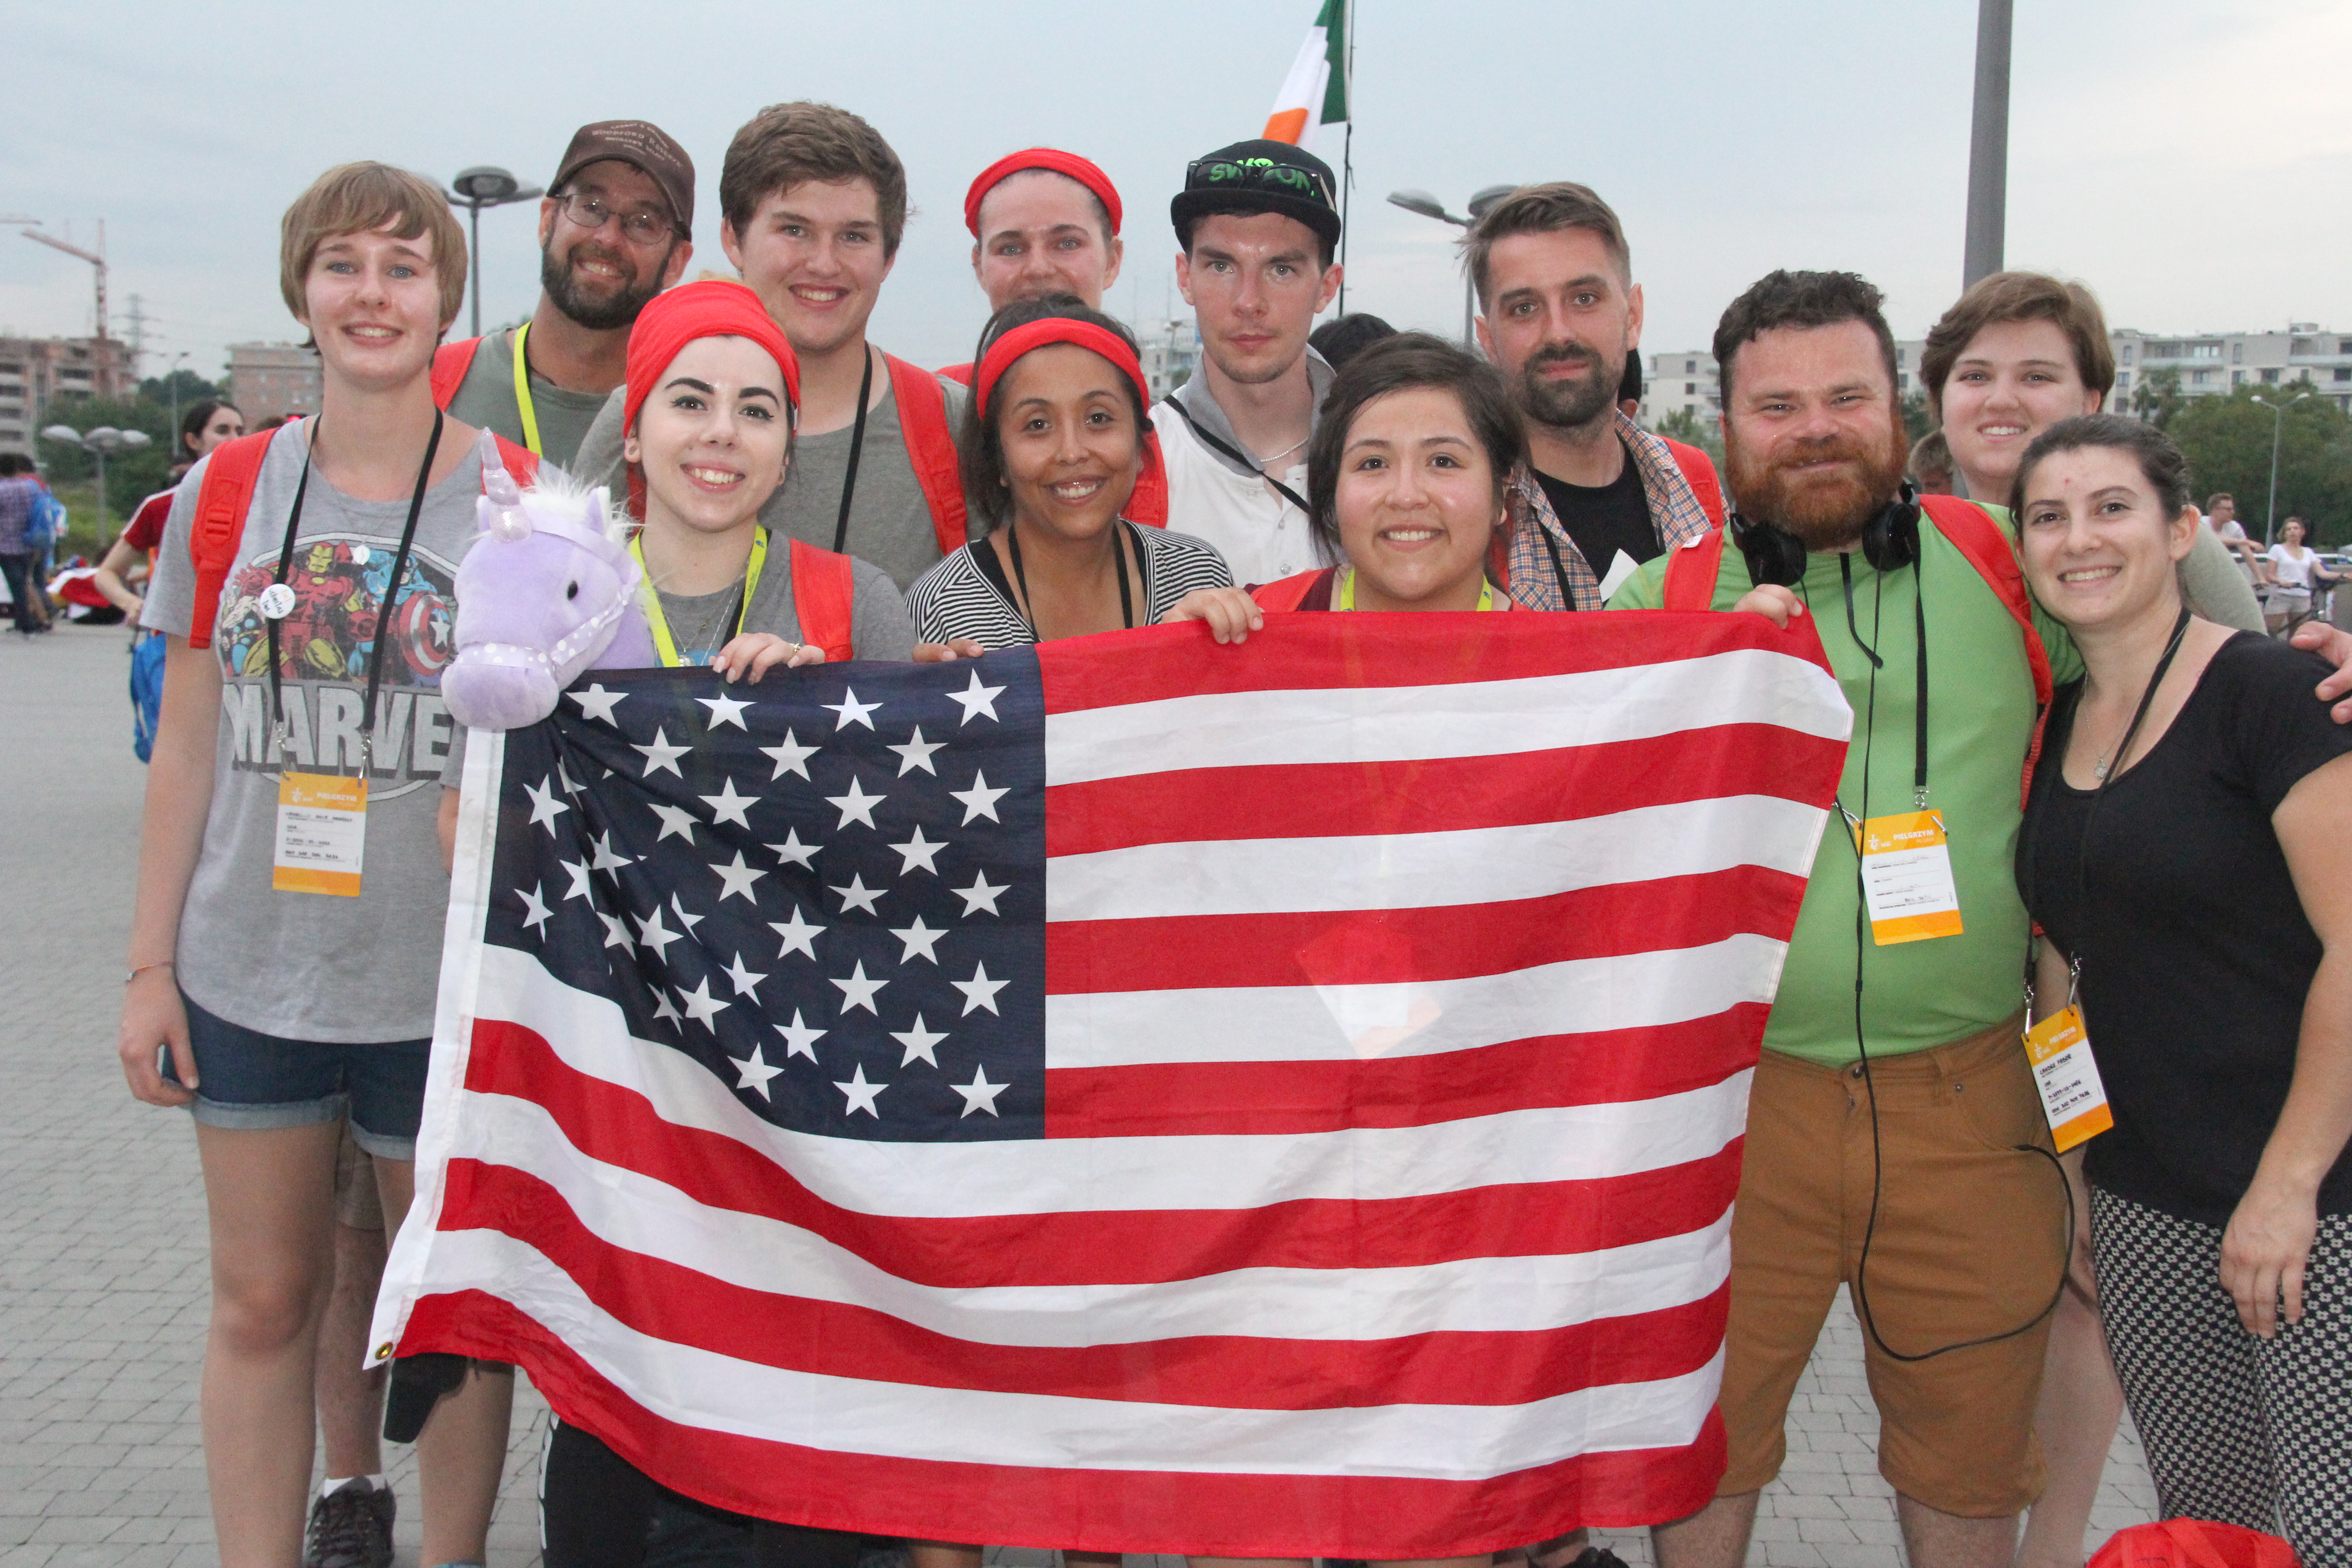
{"x":1259,"y":177}
{"x":646,"y":146}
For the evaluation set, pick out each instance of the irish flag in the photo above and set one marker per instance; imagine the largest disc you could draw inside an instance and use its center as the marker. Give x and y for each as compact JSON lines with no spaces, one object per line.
{"x":1311,"y":109}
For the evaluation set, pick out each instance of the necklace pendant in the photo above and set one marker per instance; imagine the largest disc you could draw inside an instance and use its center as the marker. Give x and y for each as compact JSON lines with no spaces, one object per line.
{"x":2099,"y":768}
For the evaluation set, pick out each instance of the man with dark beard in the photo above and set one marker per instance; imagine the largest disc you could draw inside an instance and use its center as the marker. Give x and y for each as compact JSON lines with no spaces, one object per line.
{"x":1562,"y":319}
{"x":1896,"y":1143}
{"x":615,"y":230}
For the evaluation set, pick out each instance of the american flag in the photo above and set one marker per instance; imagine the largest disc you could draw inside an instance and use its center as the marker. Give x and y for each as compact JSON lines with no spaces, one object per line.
{"x":1130,"y":1094}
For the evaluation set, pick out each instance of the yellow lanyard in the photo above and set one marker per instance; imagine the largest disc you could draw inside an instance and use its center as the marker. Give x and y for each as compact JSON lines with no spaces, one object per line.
{"x":664,"y":643}
{"x":1347,"y":591}
{"x":522,"y":393}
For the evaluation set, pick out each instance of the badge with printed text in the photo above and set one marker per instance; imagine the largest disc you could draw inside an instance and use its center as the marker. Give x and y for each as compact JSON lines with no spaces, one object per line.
{"x":2073,"y":1098}
{"x":321,"y":835}
{"x":1907,"y":878}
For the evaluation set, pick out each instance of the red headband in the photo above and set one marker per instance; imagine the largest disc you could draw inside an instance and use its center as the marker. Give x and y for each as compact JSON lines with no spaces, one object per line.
{"x":712,"y":308}
{"x":1037,"y":334}
{"x":1059,"y":161}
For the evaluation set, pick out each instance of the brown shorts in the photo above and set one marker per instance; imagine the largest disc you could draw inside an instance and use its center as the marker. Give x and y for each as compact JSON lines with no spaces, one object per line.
{"x":356,"y":1203}
{"x":1970,"y":1241}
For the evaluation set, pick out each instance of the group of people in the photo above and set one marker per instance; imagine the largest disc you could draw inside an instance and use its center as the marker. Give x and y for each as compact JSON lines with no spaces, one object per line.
{"x":2109,"y":759}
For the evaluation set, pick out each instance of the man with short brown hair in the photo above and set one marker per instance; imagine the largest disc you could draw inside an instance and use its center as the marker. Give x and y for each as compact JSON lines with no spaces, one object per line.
{"x":814,"y":204}
{"x":1562,"y":319}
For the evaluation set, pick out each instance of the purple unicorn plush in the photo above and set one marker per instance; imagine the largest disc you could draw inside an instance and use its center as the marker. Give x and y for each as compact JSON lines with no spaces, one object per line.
{"x":549,"y":591}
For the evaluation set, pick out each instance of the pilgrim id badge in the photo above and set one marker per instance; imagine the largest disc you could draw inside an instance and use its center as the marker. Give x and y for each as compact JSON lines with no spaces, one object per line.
{"x":1907,"y":878}
{"x":2073,"y":1098}
{"x":321,"y":834}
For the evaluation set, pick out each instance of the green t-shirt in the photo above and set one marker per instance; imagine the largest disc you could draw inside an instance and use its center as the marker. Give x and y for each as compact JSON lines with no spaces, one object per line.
{"x":1980,"y":711}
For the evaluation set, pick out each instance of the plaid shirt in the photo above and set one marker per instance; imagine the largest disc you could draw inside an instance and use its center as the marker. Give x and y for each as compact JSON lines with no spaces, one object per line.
{"x":1675,"y":510}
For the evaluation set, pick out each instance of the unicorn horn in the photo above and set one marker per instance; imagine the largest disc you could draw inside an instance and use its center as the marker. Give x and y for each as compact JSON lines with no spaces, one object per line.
{"x":500,"y":497}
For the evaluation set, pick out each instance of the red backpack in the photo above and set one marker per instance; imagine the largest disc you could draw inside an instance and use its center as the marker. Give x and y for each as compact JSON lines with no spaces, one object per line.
{"x":931,"y":448}
{"x":1699,"y":472}
{"x":824,"y":591}
{"x":230,"y":475}
{"x":1691,"y":573}
{"x":450,"y":364}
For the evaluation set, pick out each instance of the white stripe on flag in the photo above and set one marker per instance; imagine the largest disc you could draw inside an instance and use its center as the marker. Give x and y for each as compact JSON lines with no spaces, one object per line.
{"x":1475,"y":1295}
{"x":1438,"y":1442}
{"x":1415,"y":723}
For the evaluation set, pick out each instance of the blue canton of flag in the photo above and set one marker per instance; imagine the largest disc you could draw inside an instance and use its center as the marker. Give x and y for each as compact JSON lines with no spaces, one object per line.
{"x":827,"y":889}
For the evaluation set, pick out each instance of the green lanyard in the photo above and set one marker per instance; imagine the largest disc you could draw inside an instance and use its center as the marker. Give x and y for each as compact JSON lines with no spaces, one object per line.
{"x":522,"y":393}
{"x":1346,"y":600}
{"x":664,"y":643}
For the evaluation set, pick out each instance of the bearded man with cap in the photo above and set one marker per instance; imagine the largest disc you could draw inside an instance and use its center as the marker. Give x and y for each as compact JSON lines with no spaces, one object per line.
{"x":614,"y":229}
{"x":1258,"y":225}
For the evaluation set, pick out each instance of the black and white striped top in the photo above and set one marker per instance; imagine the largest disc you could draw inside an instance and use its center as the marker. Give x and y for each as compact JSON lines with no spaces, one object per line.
{"x":965,"y":596}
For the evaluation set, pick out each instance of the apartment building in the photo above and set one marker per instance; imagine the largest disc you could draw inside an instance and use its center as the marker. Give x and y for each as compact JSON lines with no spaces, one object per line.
{"x":267,"y":380}
{"x":38,"y":374}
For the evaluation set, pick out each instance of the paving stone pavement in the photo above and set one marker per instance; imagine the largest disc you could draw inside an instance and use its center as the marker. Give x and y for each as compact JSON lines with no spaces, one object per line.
{"x":103,"y":1294}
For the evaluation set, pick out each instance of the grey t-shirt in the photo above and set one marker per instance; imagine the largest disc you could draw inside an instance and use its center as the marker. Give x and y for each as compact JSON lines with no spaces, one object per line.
{"x":486,"y":398}
{"x":889,"y":521}
{"x":879,"y":626}
{"x":316,"y":966}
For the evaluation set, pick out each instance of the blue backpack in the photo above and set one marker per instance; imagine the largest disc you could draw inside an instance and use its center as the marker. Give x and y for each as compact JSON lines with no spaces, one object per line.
{"x":47,"y":520}
{"x":146,"y":692}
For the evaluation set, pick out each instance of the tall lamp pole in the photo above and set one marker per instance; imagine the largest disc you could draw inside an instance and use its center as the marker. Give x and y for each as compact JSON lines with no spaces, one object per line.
{"x":98,"y":443}
{"x":1989,"y":146}
{"x":2278,"y":423}
{"x":1427,"y":205}
{"x":474,"y":189}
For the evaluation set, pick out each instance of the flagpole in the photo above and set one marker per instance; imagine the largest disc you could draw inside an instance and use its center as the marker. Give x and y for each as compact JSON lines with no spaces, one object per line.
{"x":1347,"y":147}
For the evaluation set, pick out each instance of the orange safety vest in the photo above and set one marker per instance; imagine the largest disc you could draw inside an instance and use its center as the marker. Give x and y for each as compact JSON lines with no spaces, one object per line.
{"x":230,"y":475}
{"x":1692,"y":571}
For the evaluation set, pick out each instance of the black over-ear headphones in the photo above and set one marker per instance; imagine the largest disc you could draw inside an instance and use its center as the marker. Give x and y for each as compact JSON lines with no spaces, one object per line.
{"x":1890,"y":541}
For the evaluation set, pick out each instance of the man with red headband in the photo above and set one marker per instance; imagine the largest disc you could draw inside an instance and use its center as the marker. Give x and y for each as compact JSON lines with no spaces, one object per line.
{"x":813,"y":203}
{"x":615,"y":230}
{"x":1258,"y":226}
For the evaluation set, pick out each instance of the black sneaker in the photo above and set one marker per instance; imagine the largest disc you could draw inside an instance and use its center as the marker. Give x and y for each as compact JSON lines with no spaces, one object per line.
{"x":351,"y":1528}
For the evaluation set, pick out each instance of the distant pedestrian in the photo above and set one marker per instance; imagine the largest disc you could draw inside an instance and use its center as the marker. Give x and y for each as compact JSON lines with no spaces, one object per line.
{"x":2294,"y":572}
{"x":1931,"y":465}
{"x":1342,"y":338}
{"x":19,"y":493}
{"x":202,"y":428}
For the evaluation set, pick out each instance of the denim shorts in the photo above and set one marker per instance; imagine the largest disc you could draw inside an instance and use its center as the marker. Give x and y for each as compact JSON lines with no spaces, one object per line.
{"x":255,"y":1081}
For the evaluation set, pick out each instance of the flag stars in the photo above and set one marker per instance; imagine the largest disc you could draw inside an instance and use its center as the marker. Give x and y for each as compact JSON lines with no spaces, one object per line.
{"x":861,"y":1094}
{"x":798,"y":935}
{"x":746,"y":983}
{"x":678,"y":909}
{"x":615,"y":934}
{"x":979,"y":991}
{"x":791,"y":757}
{"x":606,"y":859}
{"x":544,"y":806}
{"x":535,"y":911}
{"x":598,"y":703}
{"x":919,"y":851}
{"x":856,"y":805}
{"x":976,"y":699}
{"x":978,"y":801}
{"x":852,"y":710}
{"x":663,"y":1007}
{"x":921,"y":941}
{"x":578,"y":872}
{"x":916,"y":753}
{"x":651,"y":933}
{"x":756,"y":1072}
{"x":979,"y":1094}
{"x":858,"y":896}
{"x":728,"y":806}
{"x":920,"y":1042}
{"x":857,"y":991}
{"x":738,"y":879}
{"x":724,"y":710}
{"x":700,"y":1005}
{"x":982,"y":895}
{"x":800,"y":1040}
{"x":796,"y":853}
{"x":661,"y":755}
{"x":674,"y":819}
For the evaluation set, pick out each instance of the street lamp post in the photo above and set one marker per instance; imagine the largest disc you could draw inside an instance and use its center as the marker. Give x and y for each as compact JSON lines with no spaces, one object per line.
{"x":2278,"y":423}
{"x":98,"y":443}
{"x":474,"y":189}
{"x":1427,"y":205}
{"x":177,"y":361}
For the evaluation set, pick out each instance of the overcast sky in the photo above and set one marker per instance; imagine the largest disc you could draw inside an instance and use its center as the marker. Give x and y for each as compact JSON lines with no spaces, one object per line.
{"x":2186,"y":158}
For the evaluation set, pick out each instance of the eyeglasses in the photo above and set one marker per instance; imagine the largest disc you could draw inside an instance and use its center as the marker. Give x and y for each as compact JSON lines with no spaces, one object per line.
{"x":640,"y":227}
{"x":1261,"y":173}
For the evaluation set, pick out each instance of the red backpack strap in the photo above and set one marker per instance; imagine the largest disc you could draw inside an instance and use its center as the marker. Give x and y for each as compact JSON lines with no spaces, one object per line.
{"x":230,"y":474}
{"x":1976,"y":535}
{"x":931,"y":449}
{"x":1292,"y":593}
{"x":1149,"y":504}
{"x":521,"y":461}
{"x":1692,"y":570}
{"x":450,"y":364}
{"x":958,"y":373}
{"x":823,"y":594}
{"x":1699,"y":472}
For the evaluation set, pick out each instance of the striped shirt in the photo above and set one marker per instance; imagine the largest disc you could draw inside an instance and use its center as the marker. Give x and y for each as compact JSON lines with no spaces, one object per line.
{"x":966,"y":596}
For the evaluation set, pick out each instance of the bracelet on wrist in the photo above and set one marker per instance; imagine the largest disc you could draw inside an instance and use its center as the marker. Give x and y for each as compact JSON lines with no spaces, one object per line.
{"x":138,"y":970}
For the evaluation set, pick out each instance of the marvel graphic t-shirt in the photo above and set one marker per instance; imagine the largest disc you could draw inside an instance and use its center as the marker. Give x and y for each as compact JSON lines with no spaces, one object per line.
{"x":316,"y":966}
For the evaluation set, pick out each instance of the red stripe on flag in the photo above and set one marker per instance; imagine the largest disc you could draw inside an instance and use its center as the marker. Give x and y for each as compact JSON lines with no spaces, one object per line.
{"x":618,"y":1126}
{"x":680,"y":1305}
{"x":1445,"y":942}
{"x":1107,"y":1511}
{"x":1119,"y":669}
{"x":1265,"y":1099}
{"x":1315,"y":800}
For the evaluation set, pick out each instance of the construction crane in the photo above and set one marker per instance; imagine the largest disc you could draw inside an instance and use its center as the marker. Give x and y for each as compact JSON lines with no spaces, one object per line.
{"x":97,"y":259}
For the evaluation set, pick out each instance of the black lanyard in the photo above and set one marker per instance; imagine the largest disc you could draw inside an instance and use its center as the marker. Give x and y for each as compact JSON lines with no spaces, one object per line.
{"x":1920,"y":631}
{"x":384,"y":607}
{"x":2123,"y":750}
{"x":1117,"y":553}
{"x":856,"y":445}
{"x":1238,"y":456}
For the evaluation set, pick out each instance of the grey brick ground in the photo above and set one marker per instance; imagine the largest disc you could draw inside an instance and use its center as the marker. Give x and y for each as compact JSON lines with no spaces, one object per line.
{"x":103,"y":1293}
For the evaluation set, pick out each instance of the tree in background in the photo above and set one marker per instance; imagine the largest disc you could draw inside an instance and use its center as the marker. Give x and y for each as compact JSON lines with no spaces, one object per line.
{"x":130,"y":476}
{"x":191,"y":387}
{"x":1687,"y":426}
{"x":2228,"y":443}
{"x":2158,"y":398}
{"x":1918,"y":418}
